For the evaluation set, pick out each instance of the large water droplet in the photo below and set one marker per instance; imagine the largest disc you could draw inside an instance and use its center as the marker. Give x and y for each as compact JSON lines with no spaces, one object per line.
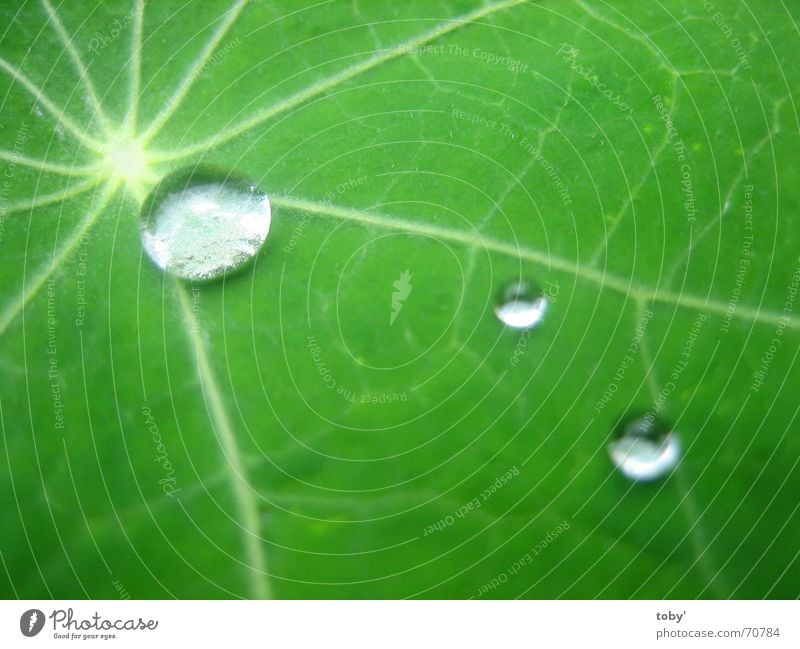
{"x":645,"y":449}
{"x":521,"y":305}
{"x":202,"y":224}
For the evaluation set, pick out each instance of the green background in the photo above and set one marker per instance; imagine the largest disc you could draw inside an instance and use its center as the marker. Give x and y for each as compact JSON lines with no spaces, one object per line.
{"x":382,"y":154}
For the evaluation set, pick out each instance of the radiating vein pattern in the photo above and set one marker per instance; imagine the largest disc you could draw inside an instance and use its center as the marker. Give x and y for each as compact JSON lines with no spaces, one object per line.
{"x":353,"y":414}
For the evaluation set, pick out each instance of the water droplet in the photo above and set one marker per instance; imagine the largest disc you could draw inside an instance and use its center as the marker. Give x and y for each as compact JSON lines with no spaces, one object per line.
{"x":645,"y":449}
{"x":521,"y":305}
{"x":202,"y":224}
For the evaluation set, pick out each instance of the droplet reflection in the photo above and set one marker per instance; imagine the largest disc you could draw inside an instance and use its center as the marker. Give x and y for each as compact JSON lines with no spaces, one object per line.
{"x":521,"y":305}
{"x":201,"y":224}
{"x":645,"y":450}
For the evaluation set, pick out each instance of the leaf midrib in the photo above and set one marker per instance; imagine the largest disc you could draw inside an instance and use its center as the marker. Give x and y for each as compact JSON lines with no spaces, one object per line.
{"x":591,"y":274}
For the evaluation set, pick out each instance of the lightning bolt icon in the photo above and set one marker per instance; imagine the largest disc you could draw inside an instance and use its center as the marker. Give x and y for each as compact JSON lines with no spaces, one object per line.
{"x":402,"y":291}
{"x":32,"y":621}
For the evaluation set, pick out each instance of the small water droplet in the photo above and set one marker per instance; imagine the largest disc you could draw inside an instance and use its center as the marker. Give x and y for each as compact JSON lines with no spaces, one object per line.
{"x":202,"y":224}
{"x":645,"y":449}
{"x":521,"y":305}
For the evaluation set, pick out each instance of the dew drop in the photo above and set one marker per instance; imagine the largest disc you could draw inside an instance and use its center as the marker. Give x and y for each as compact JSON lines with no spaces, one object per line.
{"x":645,"y":449}
{"x":201,"y":224}
{"x":521,"y":305}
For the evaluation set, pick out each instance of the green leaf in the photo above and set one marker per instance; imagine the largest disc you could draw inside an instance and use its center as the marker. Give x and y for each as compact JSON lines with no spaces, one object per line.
{"x":347,"y":417}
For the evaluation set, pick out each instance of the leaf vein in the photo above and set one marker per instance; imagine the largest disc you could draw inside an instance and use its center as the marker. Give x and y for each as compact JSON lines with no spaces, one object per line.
{"x":340,"y":77}
{"x":223,"y":429}
{"x":30,"y":289}
{"x":187,"y":82}
{"x":77,"y":61}
{"x":38,"y":94}
{"x":601,"y":278}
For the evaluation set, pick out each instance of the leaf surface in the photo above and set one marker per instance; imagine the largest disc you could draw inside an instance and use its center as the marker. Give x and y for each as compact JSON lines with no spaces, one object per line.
{"x":347,"y":417}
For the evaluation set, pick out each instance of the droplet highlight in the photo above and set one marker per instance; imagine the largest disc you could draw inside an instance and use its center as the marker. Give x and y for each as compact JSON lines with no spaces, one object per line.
{"x":202,"y":224}
{"x":646,"y":449}
{"x":521,"y":305}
